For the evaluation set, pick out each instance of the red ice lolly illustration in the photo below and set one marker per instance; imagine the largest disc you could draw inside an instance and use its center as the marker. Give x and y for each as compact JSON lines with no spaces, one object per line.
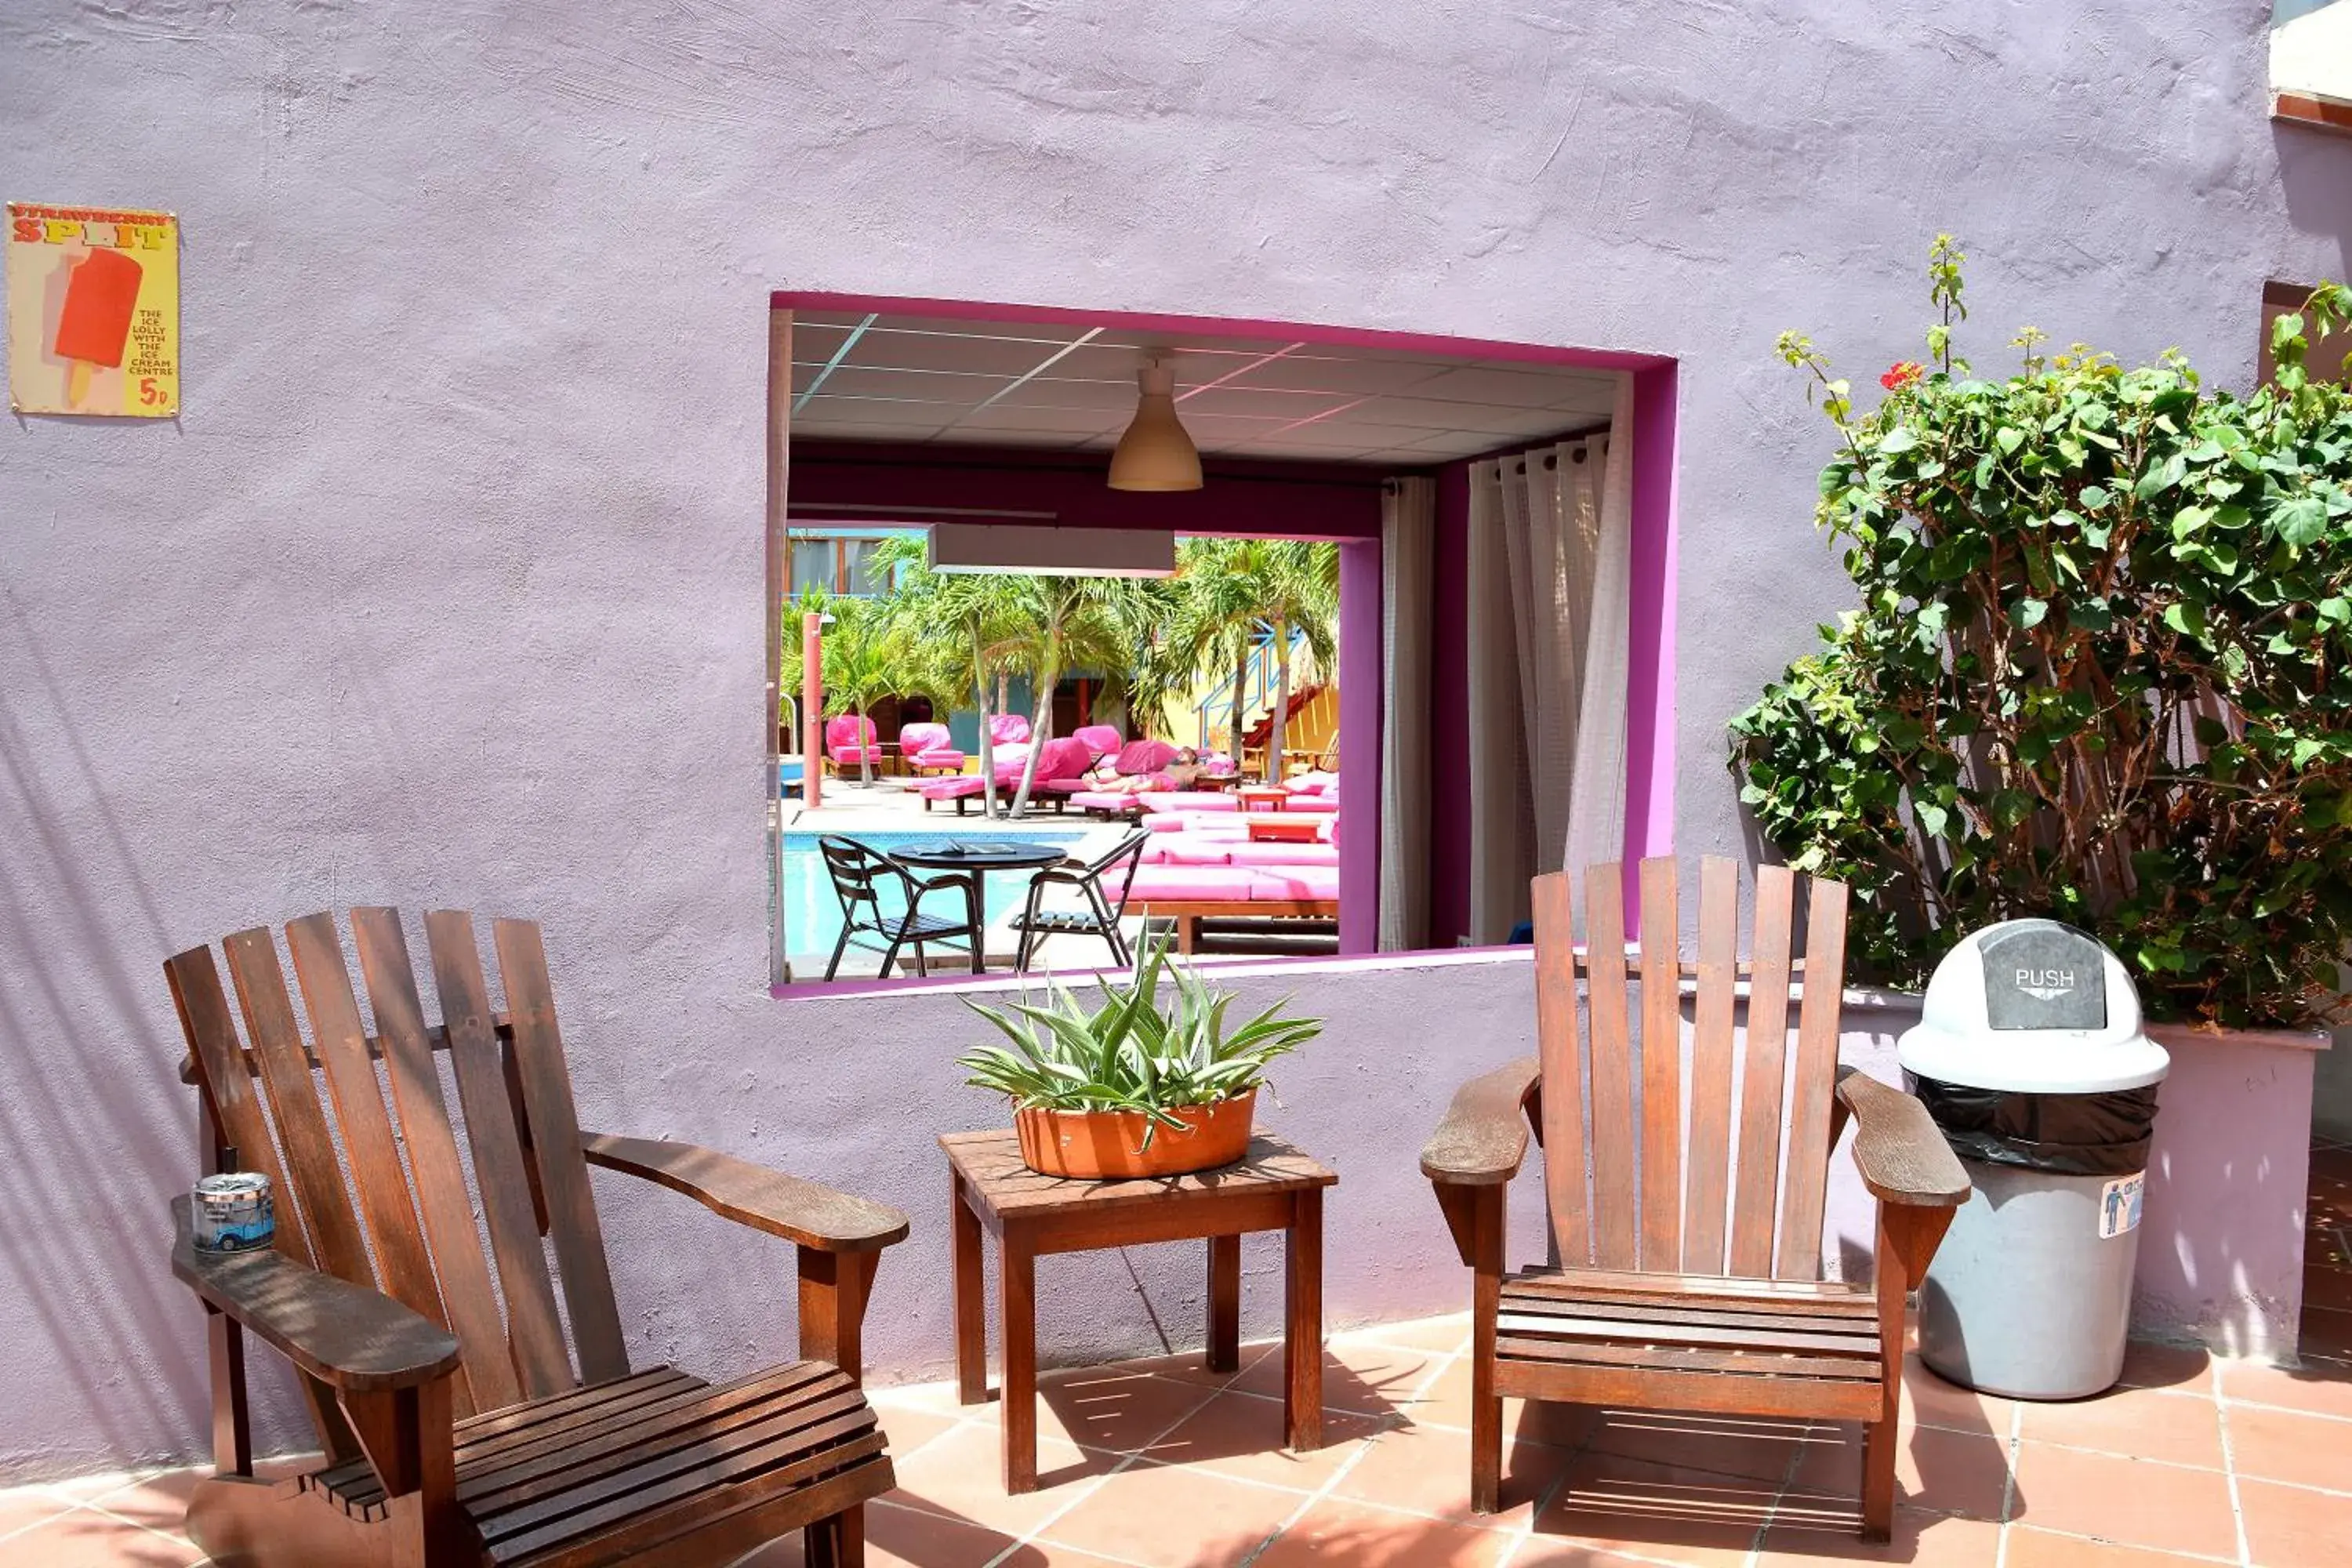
{"x":95,"y":323}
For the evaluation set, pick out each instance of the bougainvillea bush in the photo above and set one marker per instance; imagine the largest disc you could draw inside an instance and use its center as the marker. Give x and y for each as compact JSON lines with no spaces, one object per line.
{"x":2102,"y":668}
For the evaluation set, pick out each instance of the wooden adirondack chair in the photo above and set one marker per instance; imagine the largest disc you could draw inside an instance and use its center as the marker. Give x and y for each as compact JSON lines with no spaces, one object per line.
{"x":1690,"y":1282}
{"x":457,"y":1433}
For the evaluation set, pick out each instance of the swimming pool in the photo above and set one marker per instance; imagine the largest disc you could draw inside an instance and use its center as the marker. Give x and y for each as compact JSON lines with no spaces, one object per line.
{"x":812,"y":914}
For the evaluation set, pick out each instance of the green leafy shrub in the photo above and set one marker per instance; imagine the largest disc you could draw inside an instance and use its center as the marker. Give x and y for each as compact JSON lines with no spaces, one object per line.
{"x":2102,"y":669}
{"x":1131,"y":1054}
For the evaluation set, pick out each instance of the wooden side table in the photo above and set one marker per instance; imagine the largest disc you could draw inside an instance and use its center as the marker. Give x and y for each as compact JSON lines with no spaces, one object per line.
{"x":1274,"y":1188}
{"x":1263,"y":797}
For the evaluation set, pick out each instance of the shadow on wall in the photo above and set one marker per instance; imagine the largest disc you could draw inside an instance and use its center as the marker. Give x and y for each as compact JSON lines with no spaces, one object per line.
{"x":2316,"y":174}
{"x":91,"y":1154}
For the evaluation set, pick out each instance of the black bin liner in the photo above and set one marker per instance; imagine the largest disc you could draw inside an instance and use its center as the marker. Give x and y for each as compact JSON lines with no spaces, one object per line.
{"x":2066,"y":1134}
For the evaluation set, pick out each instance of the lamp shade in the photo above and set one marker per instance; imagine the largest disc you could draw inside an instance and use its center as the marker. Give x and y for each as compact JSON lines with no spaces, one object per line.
{"x":1156,"y":454}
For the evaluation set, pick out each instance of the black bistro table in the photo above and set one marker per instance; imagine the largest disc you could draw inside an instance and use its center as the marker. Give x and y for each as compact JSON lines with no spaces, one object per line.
{"x":973,"y":858}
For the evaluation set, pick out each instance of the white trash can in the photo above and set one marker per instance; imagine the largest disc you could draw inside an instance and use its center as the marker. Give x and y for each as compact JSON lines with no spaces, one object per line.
{"x":2030,"y":1057}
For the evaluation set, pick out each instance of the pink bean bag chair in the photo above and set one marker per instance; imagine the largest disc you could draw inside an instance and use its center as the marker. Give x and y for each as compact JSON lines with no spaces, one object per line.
{"x":1007,"y":728}
{"x":1102,"y":740}
{"x":849,"y":740}
{"x":928,"y":748}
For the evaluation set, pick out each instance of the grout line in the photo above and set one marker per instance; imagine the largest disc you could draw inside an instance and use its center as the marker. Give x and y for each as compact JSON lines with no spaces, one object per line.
{"x":1438,"y":1370}
{"x":2011,"y":1448}
{"x":2230,"y":1473}
{"x":1125,"y":1462}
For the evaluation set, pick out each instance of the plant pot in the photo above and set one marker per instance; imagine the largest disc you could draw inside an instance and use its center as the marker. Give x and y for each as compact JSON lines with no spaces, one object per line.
{"x":1097,"y":1145}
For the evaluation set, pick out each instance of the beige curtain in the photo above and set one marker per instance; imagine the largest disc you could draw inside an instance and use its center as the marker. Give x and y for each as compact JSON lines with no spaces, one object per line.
{"x":1551,"y":555}
{"x":1408,"y":536}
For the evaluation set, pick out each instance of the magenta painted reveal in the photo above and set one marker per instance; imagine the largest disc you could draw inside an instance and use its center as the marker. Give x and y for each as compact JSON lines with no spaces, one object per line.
{"x":1650,"y":705}
{"x":1359,"y":746}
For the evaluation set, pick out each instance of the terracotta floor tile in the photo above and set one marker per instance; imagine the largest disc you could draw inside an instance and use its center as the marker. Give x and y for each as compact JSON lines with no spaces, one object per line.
{"x":21,"y":1508}
{"x":2320,"y":1388}
{"x":2187,"y":1369}
{"x":1164,"y":1515}
{"x":1756,"y":1448}
{"x":1358,"y":1374}
{"x":2288,"y":1527}
{"x":2140,"y":1423}
{"x":80,"y":1538}
{"x":1241,"y":1435}
{"x":1427,"y":1470}
{"x":1921,"y":1540}
{"x":1444,"y":1335}
{"x":1445,"y":1402}
{"x":1929,"y":1401}
{"x":963,"y":1477}
{"x":1111,"y":1409}
{"x":2031,"y":1548}
{"x":2132,"y":1503}
{"x":2288,"y":1446}
{"x":1936,"y":1470}
{"x":908,"y":1429}
{"x":1192,"y":1366}
{"x":1685,"y":1517}
{"x":1352,"y":1536}
{"x":159,"y":1501}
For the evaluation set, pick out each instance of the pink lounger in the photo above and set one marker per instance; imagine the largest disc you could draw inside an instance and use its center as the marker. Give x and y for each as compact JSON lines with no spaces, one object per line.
{"x":1189,"y":800}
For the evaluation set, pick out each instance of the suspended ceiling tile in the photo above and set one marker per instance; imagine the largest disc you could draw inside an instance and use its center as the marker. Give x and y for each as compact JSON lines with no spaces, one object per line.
{"x":912,"y":385}
{"x":1097,"y":361}
{"x":1333,"y":434}
{"x":1506,"y":388}
{"x":1259,"y":405}
{"x":940,"y":352}
{"x":1356,"y":376}
{"x":1054,"y":392}
{"x":1008,"y":416}
{"x":825,"y":318}
{"x":1434,"y":416}
{"x":824,"y":407}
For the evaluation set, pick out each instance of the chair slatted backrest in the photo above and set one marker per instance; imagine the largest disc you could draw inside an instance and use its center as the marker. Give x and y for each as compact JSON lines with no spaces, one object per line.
{"x":1705,"y":1155}
{"x":376,"y":1192}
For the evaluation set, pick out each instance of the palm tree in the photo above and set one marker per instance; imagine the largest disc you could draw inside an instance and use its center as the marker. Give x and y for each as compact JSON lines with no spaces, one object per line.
{"x":1300,"y":592}
{"x":958,"y":632}
{"x":1075,"y":622}
{"x":1231,"y":591}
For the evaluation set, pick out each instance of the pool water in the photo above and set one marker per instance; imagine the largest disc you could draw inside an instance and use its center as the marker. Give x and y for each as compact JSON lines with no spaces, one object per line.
{"x":813,"y":913}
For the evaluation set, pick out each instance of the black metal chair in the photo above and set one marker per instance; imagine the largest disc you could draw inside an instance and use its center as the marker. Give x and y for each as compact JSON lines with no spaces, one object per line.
{"x":1099,"y":916}
{"x":859,"y":874}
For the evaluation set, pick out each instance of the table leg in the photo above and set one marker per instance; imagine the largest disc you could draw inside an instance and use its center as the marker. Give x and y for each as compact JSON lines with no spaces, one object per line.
{"x":971,"y":1299}
{"x":1224,"y":1303}
{"x":1019,"y":1289}
{"x":1302,"y":1329}
{"x":977,"y":907}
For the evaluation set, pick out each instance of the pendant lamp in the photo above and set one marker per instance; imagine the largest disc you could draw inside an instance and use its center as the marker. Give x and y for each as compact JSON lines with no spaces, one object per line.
{"x":1155,"y":454}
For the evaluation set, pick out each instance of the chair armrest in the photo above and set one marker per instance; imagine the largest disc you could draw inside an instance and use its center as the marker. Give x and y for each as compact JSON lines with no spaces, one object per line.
{"x":347,"y":1336}
{"x":1484,"y":1137}
{"x":1902,"y":1157}
{"x":801,"y":1212}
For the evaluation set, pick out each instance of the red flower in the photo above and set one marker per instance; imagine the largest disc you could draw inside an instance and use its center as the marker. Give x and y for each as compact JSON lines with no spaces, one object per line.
{"x":1901,"y":375}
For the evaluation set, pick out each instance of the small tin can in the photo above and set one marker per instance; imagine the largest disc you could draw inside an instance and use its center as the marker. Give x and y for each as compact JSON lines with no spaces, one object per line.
{"x":234,"y":1212}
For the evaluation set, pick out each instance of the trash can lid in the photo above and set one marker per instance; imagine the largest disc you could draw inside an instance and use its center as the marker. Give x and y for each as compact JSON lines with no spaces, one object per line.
{"x":2033,"y":1006}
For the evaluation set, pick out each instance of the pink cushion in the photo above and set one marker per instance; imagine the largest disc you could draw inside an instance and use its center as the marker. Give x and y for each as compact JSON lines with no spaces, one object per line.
{"x":1098,"y":800}
{"x":850,"y":732}
{"x":1004,"y":727}
{"x":1144,"y":756}
{"x":1102,"y":740}
{"x":1203,"y":883}
{"x":1279,"y":856}
{"x":1295,"y":883}
{"x":943,"y":757}
{"x":1189,"y":800}
{"x":1189,"y":849}
{"x":917,"y":738}
{"x":1169,"y":823}
{"x":1311,"y":803}
{"x":950,"y":789}
{"x":1313,"y":783}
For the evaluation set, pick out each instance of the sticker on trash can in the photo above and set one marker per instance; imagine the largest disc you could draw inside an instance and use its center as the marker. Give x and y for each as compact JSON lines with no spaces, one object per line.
{"x":2119,"y":1204}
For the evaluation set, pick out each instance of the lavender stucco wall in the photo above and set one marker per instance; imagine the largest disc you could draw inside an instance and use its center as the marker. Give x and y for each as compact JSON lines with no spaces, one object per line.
{"x":445,"y":590}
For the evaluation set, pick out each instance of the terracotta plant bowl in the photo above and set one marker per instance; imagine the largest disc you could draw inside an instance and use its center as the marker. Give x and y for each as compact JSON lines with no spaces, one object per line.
{"x":1098,"y":1145}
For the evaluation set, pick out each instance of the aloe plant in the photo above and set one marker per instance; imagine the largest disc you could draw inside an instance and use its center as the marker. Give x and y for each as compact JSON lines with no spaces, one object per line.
{"x":1131,"y":1054}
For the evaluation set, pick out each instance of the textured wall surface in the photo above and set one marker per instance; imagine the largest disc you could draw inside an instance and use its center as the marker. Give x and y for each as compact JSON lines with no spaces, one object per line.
{"x":445,"y":588}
